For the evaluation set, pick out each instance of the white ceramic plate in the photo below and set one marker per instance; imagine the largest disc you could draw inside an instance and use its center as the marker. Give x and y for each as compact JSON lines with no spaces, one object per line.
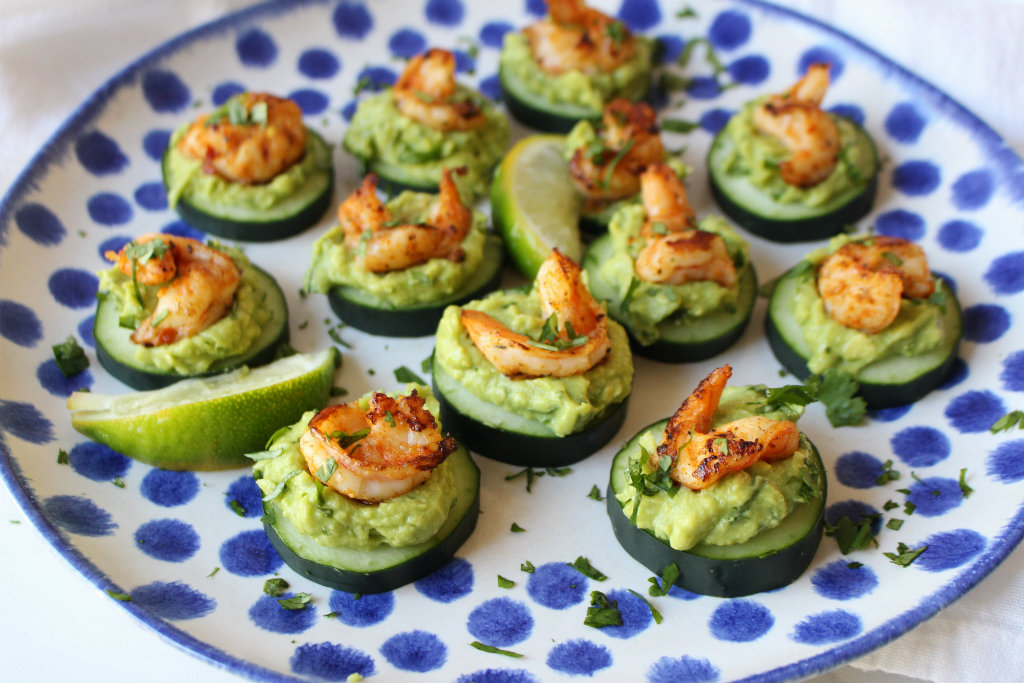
{"x":949,"y":182}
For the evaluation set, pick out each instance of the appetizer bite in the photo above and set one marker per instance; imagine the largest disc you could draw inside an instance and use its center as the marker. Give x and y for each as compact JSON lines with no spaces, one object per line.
{"x":870,"y":307}
{"x":173,"y":307}
{"x":790,"y":172}
{"x":683,"y":289}
{"x":250,"y":170}
{"x":569,"y":64}
{"x":727,"y":490}
{"x":427,"y":122}
{"x":370,"y":495}
{"x":535,"y":377}
{"x":392,"y":268}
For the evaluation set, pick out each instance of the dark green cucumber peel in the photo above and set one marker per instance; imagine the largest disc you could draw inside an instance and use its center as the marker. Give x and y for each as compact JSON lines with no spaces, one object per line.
{"x":536,"y":113}
{"x":395,"y":179}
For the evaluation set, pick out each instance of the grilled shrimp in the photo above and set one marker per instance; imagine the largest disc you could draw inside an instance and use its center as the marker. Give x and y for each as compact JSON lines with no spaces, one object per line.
{"x":379,"y":453}
{"x":200,"y":284}
{"x":425,"y":92}
{"x":575,"y":37}
{"x":250,"y":152}
{"x":701,"y":455}
{"x":796,"y":119}
{"x":582,"y":329}
{"x":862,"y":283}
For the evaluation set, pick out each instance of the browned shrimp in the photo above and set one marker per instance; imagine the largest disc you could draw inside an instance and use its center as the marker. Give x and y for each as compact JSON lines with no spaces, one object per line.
{"x":575,"y":37}
{"x":426,"y":93}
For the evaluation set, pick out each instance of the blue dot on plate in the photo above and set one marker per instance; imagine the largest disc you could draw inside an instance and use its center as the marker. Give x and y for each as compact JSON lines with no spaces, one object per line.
{"x":635,"y":613}
{"x":155,"y":142}
{"x":39,"y":224}
{"x":683,"y":669}
{"x":714,"y":120}
{"x":935,"y":496}
{"x":973,"y":190}
{"x":556,"y":585}
{"x":827,"y":627}
{"x":750,"y":70}
{"x":729,"y":30}
{"x":498,"y":676}
{"x":957,"y":374}
{"x":492,"y":34}
{"x":183,"y":229}
{"x":974,"y":411}
{"x":704,"y":87}
{"x":417,"y":651}
{"x":890,"y":414}
{"x":537,"y":8}
{"x":854,"y":509}
{"x":463,"y":62}
{"x":500,"y":622}
{"x":640,"y":15}
{"x":858,"y":470}
{"x":19,"y":324}
{"x":1012,"y":375}
{"x":168,"y":488}
{"x":950,"y":549}
{"x":78,"y":515}
{"x":671,"y":46}
{"x":579,"y":657}
{"x":107,"y":208}
{"x":407,"y":43}
{"x":904,"y":123}
{"x":170,"y":540}
{"x":225,"y":91}
{"x":900,"y":223}
{"x":99,"y":154}
{"x":838,"y":581}
{"x":849,"y":111}
{"x":318,"y":63}
{"x":85,"y":331}
{"x":1006,"y":274}
{"x":352,"y":20}
{"x":985,"y":322}
{"x":74,"y":288}
{"x":740,"y":621}
{"x":362,"y":610}
{"x":821,"y":55}
{"x":959,"y":236}
{"x":449,"y":583}
{"x":377,"y":78}
{"x":256,"y":48}
{"x":331,"y":662}
{"x":491,"y":87}
{"x":246,"y":493}
{"x":151,"y":196}
{"x":98,"y":462}
{"x":310,"y":101}
{"x":24,"y":421}
{"x":268,"y":614}
{"x":174,"y":601}
{"x":349,"y":110}
{"x":920,"y":446}
{"x":445,"y":12}
{"x":250,"y":554}
{"x":165,"y":92}
{"x":1006,"y":462}
{"x":916,"y":178}
{"x":114,"y":244}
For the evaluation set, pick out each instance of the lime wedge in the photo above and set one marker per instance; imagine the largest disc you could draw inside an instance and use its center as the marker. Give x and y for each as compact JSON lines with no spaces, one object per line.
{"x":534,"y":204}
{"x":207,"y":423}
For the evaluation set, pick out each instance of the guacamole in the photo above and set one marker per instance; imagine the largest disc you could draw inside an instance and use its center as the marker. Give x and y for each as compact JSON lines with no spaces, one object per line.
{"x":335,"y":264}
{"x":336,"y":521}
{"x":741,"y":504}
{"x":563,"y":404}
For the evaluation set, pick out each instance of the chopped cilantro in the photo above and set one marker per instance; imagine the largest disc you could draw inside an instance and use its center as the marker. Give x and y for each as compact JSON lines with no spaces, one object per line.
{"x":617,"y":31}
{"x":62,"y":457}
{"x":118,"y":482}
{"x":345,"y":439}
{"x":505,"y":583}
{"x":854,"y":565}
{"x":1014,"y":418}
{"x":120,"y":597}
{"x":494,"y":650}
{"x":837,"y":391}
{"x":890,"y":505}
{"x":70,"y":357}
{"x":275,"y":588}
{"x":558,"y":471}
{"x":583,"y":566}
{"x":331,"y":615}
{"x":630,"y":292}
{"x":530,"y":476}
{"x":602,"y":611}
{"x":281,"y":485}
{"x":335,"y":336}
{"x":609,"y":171}
{"x":527,"y":567}
{"x":964,"y":488}
{"x":404,"y":374}
{"x":668,"y":579}
{"x":686,"y":13}
{"x":215,"y":570}
{"x":297,"y":601}
{"x":905,"y":555}
{"x":237,"y":507}
{"x":327,"y":470}
{"x":339,"y":391}
{"x":669,"y":82}
{"x":888,"y":474}
{"x":851,"y":535}
{"x":722,"y":445}
{"x":679,"y":125}
{"x":516,"y":529}
{"x":595,"y":493}
{"x":427,"y":365}
{"x":389,"y":418}
{"x":894,"y":524}
{"x":654,"y":612}
{"x":650,"y":484}
{"x":304,"y":324}
{"x":938,"y":299}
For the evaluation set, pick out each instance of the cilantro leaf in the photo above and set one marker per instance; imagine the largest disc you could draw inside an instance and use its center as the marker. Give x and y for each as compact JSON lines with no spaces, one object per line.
{"x":1014,"y":418}
{"x":505,"y":583}
{"x":602,"y":611}
{"x":70,"y":357}
{"x":852,"y":535}
{"x":404,"y":374}
{"x":888,"y":474}
{"x":527,"y":567}
{"x":905,"y":555}
{"x":679,"y":125}
{"x":595,"y":493}
{"x":965,"y":490}
{"x":837,"y":391}
{"x":654,"y":612}
{"x":516,"y":529}
{"x":297,"y":601}
{"x":668,"y":579}
{"x":237,"y":507}
{"x":275,"y":588}
{"x":583,"y":566}
{"x":494,"y":650}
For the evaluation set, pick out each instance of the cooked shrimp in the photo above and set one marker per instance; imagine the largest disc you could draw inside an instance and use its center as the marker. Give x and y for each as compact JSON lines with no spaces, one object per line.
{"x":252,"y":152}
{"x":575,"y":37}
{"x":200,"y":286}
{"x":862,"y":283}
{"x":701,"y":455}
{"x":796,"y":119}
{"x":582,"y":330}
{"x":379,"y":453}
{"x":426,"y":93}
{"x":665,"y":201}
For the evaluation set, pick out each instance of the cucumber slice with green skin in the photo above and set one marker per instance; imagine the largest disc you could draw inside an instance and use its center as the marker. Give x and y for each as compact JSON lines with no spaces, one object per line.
{"x":116,"y":351}
{"x":286,"y":218}
{"x":885,"y":383}
{"x":385,"y":568}
{"x":770,"y":560}
{"x":501,"y":435}
{"x":370,"y":313}
{"x":539,"y":113}
{"x":681,"y":340}
{"x":395,"y":178}
{"x":759,"y":213}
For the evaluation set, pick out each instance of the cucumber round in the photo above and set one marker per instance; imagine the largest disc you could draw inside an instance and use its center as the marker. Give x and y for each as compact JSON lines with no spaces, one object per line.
{"x":396,"y":178}
{"x":371,"y":313}
{"x":770,"y":560}
{"x":116,"y":351}
{"x":385,"y":568}
{"x":762,"y":215}
{"x":892,"y":381}
{"x":537,"y":112}
{"x":289,"y":217}
{"x":682,"y":340}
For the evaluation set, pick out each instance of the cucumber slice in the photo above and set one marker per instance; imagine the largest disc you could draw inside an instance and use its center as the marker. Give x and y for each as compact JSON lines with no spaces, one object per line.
{"x":116,"y":351}
{"x":384,"y":568}
{"x":682,"y":340}
{"x":759,"y":213}
{"x":770,"y":560}
{"x":888,"y":382}
{"x":286,"y":218}
{"x":370,"y":313}
{"x":396,"y":178}
{"x":537,"y":112}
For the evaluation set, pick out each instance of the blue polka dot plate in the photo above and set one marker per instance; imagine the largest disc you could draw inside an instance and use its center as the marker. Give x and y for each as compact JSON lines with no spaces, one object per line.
{"x":948,"y":182}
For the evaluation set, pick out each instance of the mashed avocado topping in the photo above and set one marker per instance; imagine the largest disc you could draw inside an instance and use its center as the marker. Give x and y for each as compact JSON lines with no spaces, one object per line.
{"x":335,"y":264}
{"x":564,"y":404}
{"x":231,"y":335}
{"x":739,"y":506}
{"x":336,"y":521}
{"x":405,"y":150}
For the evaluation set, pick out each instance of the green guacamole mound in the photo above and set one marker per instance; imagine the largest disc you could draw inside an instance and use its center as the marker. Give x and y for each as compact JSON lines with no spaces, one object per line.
{"x":653,"y":303}
{"x":757,"y":156}
{"x":918,"y":328}
{"x":564,"y":404}
{"x":592,"y":91}
{"x":741,"y":504}
{"x":382,"y":137}
{"x":335,"y":264}
{"x":229,"y":336}
{"x":336,"y":521}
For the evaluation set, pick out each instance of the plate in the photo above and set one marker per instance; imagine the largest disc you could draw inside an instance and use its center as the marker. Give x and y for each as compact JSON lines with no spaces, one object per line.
{"x":948,"y":182}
